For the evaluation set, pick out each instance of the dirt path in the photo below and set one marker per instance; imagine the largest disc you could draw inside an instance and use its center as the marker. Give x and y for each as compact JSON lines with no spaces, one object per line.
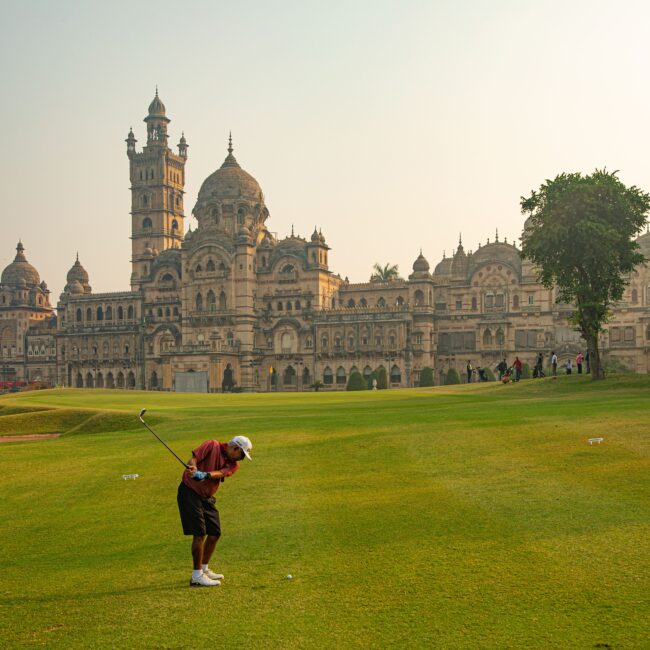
{"x":31,"y":436}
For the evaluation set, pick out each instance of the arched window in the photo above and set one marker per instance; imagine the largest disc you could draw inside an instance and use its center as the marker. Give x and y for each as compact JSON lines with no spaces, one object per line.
{"x":209,"y":266}
{"x":241,"y":213}
{"x":351,"y":303}
{"x":175,"y":311}
{"x":174,"y":222}
{"x":211,"y":301}
{"x":395,"y":375}
{"x":489,"y":300}
{"x":324,"y":343}
{"x":160,"y":312}
{"x":399,"y":301}
{"x":306,"y":377}
{"x":309,"y":342}
{"x":146,"y":223}
{"x":351,"y":342}
{"x":363,"y":302}
{"x":198,"y":268}
{"x":289,"y":306}
{"x":328,"y":378}
{"x":280,"y":306}
{"x":340,"y":376}
{"x":297,"y":304}
{"x":109,"y":313}
{"x":215,"y":215}
{"x":367,"y":371}
{"x":222,"y":301}
{"x":419,"y":298}
{"x":89,"y":314}
{"x":635,"y":296}
{"x":100,"y":313}
{"x":199,"y":302}
{"x":487,"y":337}
{"x":289,"y":377}
{"x":337,"y":343}
{"x":126,"y":350}
{"x":145,"y":201}
{"x":78,"y":318}
{"x":381,"y":302}
{"x":499,"y":301}
{"x":120,"y":313}
{"x":515,"y":301}
{"x":474,"y":304}
{"x":130,"y":312}
{"x":501,"y":339}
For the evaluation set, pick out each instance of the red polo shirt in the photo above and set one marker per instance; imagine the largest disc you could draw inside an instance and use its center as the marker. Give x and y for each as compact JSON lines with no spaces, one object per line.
{"x":210,"y":457}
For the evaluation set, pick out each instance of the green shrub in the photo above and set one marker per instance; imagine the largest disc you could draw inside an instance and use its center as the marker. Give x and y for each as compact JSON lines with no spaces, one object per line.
{"x":489,"y":373}
{"x":317,"y":385}
{"x":371,"y":377}
{"x":452,"y":377}
{"x":612,"y":365}
{"x":356,"y":382}
{"x":426,"y":377}
{"x":526,"y":372}
{"x":382,"y":378}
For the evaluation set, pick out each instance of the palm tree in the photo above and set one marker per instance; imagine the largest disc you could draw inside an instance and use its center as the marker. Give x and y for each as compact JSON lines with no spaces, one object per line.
{"x":385,"y":273}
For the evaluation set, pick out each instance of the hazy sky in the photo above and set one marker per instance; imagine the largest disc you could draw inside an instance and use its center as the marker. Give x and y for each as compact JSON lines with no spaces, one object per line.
{"x":390,"y":125}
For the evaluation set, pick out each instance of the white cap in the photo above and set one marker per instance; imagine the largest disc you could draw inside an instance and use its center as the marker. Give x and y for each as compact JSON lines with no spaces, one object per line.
{"x":244,"y":444}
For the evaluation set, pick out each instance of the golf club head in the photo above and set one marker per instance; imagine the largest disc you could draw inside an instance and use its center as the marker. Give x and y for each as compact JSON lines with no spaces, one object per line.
{"x":142,"y":412}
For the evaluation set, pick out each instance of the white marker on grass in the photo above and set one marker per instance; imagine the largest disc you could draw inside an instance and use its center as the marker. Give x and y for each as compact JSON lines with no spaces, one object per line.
{"x":596,"y":440}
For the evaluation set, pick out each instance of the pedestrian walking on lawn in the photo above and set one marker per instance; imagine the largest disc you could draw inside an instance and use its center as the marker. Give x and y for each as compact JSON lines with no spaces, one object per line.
{"x":579,"y":360}
{"x":554,"y":364}
{"x":502,"y":368}
{"x":517,"y":365}
{"x":210,"y":464}
{"x":469,"y":372}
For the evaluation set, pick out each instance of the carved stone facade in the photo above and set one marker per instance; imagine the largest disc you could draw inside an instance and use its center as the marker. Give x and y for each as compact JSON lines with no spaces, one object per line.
{"x":229,"y":305}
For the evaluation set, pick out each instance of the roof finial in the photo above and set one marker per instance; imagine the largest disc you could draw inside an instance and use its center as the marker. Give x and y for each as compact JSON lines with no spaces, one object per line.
{"x":460,"y":239}
{"x":496,"y":237}
{"x":77,"y":256}
{"x":292,"y":230}
{"x":230,"y":143}
{"x":156,"y":90}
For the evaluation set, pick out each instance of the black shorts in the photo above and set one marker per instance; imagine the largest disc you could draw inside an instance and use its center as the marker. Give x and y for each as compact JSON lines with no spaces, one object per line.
{"x":199,"y":515}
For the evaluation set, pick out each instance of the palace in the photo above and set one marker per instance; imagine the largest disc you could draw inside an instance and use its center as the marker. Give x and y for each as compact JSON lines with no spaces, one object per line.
{"x":230,"y":306}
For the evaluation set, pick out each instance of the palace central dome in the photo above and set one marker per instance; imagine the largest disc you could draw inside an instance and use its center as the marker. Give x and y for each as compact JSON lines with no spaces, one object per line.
{"x":229,"y":182}
{"x":20,"y":270}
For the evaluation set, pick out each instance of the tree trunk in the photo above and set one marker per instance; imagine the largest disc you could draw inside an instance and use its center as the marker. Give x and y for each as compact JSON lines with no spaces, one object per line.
{"x":594,"y":358}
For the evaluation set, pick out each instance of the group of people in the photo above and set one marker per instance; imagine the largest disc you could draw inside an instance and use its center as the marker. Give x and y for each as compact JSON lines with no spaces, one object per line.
{"x":513,"y":373}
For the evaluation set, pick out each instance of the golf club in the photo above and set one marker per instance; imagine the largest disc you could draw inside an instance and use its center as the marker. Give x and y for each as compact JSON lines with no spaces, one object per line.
{"x":142,"y":412}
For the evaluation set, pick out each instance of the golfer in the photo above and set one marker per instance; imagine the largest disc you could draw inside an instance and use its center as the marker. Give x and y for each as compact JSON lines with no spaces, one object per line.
{"x":211,"y":463}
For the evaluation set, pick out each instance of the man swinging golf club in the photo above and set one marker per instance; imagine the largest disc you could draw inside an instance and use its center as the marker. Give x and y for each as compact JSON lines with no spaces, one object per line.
{"x":211,"y":463}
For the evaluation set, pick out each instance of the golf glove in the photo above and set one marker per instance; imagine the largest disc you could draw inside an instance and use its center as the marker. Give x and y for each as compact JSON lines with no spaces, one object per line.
{"x":200,"y":476}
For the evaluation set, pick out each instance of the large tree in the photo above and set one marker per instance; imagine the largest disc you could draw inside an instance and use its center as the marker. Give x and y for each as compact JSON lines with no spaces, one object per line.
{"x":580,"y":235}
{"x":385,"y":273}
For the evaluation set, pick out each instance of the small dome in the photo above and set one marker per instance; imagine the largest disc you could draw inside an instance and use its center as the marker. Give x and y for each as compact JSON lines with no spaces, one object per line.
{"x":78,"y":273}
{"x":157,"y":108}
{"x":321,"y":237}
{"x":421,"y":265}
{"x":444,"y":266}
{"x":20,"y":270}
{"x":155,"y":252}
{"x":22,"y":283}
{"x":75,"y":287}
{"x":314,"y":236}
{"x":148,"y":251}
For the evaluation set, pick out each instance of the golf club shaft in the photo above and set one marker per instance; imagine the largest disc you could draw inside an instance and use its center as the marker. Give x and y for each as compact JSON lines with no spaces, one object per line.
{"x":164,"y":443}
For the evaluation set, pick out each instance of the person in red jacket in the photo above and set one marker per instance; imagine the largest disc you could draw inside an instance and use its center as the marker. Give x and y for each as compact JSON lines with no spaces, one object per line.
{"x":517,"y":365}
{"x":210,"y":464}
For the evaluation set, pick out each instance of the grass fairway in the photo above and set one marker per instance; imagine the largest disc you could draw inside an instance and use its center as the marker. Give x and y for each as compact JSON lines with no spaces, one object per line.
{"x":459,"y":517}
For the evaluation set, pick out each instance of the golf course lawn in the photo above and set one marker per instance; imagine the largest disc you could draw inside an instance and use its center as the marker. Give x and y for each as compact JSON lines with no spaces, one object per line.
{"x":456,"y":517}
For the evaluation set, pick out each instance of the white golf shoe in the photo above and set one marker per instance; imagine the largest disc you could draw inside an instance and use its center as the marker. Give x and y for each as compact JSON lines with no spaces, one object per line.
{"x":203,"y":581}
{"x":212,"y":575}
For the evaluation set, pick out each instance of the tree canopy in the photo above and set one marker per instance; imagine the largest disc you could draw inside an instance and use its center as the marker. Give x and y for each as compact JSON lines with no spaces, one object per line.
{"x":580,"y":235}
{"x":385,"y":273}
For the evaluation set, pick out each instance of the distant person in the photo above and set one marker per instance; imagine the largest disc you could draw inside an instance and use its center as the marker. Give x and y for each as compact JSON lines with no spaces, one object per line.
{"x":587,"y":362}
{"x":470,"y":370}
{"x":517,"y":365}
{"x":211,"y":463}
{"x":539,"y":366}
{"x":502,"y":368}
{"x":579,"y":360}
{"x":569,"y":367}
{"x":481,"y":373}
{"x":554,"y":364}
